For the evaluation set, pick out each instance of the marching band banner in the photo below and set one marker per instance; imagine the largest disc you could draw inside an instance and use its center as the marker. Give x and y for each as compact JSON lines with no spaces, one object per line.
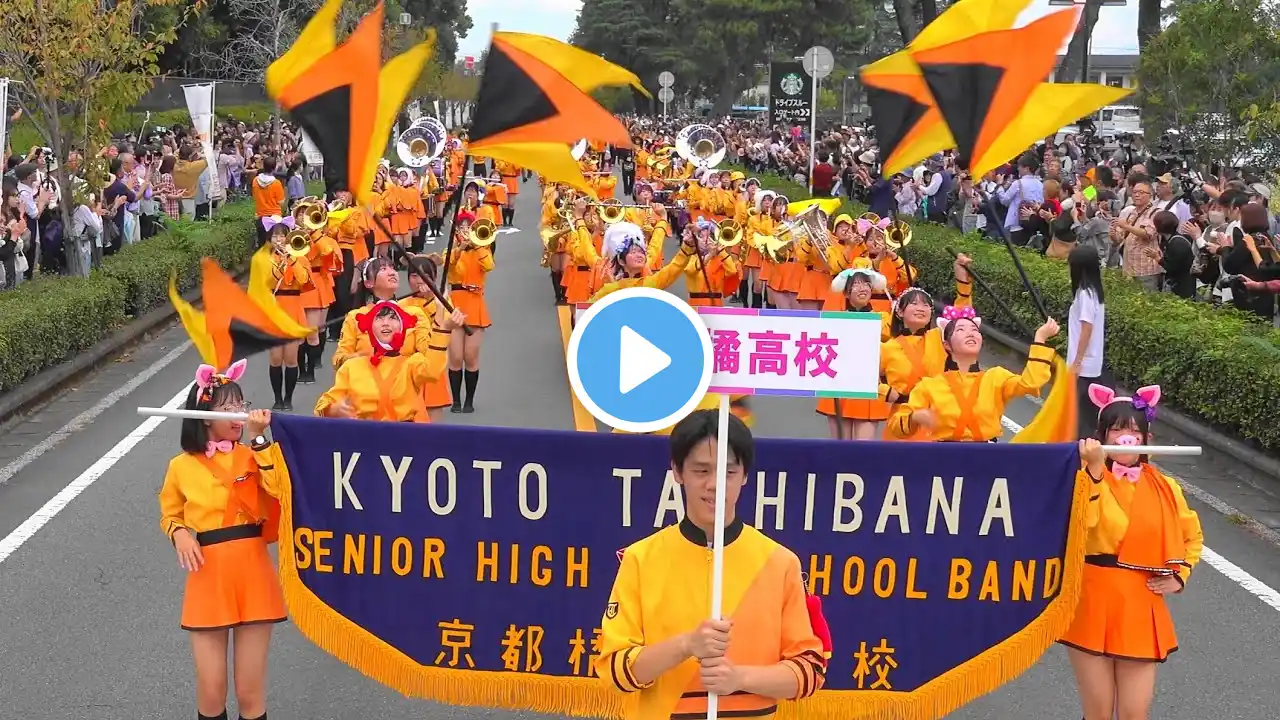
{"x":200,"y":106}
{"x":472,"y":566}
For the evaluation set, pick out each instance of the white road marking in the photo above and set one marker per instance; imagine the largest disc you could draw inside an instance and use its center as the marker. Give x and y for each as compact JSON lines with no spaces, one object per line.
{"x":59,"y":502}
{"x":1252,"y":585}
{"x":88,"y":416}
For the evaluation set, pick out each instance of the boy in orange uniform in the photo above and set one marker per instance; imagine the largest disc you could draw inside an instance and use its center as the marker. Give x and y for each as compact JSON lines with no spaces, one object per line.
{"x":765,"y":650}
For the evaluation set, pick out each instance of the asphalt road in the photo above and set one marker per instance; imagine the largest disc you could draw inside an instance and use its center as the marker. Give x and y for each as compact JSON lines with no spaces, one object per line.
{"x":90,"y":590}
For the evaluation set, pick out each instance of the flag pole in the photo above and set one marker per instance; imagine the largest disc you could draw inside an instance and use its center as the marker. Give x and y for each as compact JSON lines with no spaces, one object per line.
{"x":455,"y":202}
{"x":717,"y":543}
{"x":994,"y":297}
{"x":413,"y":268}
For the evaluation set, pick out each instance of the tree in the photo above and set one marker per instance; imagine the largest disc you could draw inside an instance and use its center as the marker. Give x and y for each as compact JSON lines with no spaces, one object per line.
{"x":265,"y":30}
{"x":1204,"y":73}
{"x":77,"y":66}
{"x":1073,"y":65}
{"x":713,"y":46}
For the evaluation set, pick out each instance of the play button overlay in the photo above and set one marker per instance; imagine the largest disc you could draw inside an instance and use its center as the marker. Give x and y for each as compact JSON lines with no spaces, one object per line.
{"x":639,"y":360}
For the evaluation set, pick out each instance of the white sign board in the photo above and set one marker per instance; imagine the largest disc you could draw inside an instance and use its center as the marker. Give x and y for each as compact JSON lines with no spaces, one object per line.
{"x":309,"y":150}
{"x":200,"y":106}
{"x":794,"y":352}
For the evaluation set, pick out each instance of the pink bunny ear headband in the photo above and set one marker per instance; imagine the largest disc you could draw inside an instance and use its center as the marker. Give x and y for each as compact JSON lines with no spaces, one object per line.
{"x":207,"y":378}
{"x":1144,"y":398}
{"x":864,"y":225}
{"x":952,"y":313}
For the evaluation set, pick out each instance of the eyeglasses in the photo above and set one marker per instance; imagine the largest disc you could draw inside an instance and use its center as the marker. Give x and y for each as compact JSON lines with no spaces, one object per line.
{"x":234,"y":408}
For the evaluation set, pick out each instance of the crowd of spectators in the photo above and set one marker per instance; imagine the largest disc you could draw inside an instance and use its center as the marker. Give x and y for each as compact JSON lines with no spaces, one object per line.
{"x":130,"y":190}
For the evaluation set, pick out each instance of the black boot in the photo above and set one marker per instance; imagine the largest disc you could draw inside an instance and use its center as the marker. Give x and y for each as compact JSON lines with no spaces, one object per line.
{"x":473,"y":378}
{"x":455,"y":385}
{"x":276,"y":373}
{"x":290,"y":381}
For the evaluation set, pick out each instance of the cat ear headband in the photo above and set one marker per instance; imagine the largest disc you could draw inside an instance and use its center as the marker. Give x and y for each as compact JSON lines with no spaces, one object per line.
{"x":1144,"y":398}
{"x":207,"y":378}
{"x":952,"y":313}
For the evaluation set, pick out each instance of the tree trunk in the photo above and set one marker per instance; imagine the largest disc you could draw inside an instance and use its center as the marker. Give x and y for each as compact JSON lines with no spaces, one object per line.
{"x":730,"y":88}
{"x":1073,"y":65}
{"x":905,"y":13}
{"x":1148,"y":22}
{"x":928,"y":12}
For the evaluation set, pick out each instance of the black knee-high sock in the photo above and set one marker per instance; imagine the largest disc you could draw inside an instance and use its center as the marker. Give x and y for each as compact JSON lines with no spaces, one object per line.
{"x":220,"y":716}
{"x":472,"y":378}
{"x":276,"y":373}
{"x":317,"y":359}
{"x":455,"y":384}
{"x":304,"y":359}
{"x":263,"y":716}
{"x":290,"y":380}
{"x":556,"y":277}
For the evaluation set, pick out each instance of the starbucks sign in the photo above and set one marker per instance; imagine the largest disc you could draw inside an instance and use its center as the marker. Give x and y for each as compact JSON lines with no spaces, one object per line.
{"x":790,"y":94}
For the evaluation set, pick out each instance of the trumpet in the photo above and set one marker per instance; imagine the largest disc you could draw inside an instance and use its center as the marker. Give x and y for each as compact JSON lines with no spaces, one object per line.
{"x":898,"y":235}
{"x":312,"y":214}
{"x":483,"y":233}
{"x":297,"y":244}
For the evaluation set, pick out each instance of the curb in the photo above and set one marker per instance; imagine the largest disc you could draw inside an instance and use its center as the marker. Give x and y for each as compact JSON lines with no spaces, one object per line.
{"x":41,"y":386}
{"x":1250,"y":456}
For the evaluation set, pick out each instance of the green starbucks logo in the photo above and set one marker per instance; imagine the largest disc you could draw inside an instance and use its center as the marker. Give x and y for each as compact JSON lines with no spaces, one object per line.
{"x":791,"y":84}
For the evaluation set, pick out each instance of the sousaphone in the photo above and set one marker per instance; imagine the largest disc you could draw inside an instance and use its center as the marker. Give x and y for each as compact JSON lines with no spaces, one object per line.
{"x":701,"y":145}
{"x":420,"y":144}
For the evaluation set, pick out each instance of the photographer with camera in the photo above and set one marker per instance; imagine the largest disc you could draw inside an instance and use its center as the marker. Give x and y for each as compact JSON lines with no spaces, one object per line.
{"x":1167,"y":200}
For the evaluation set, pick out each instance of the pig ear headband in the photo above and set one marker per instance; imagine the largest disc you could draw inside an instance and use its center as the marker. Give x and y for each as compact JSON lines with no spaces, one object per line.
{"x":865,"y":224}
{"x":1145,"y":398}
{"x":207,"y":378}
{"x":952,"y":313}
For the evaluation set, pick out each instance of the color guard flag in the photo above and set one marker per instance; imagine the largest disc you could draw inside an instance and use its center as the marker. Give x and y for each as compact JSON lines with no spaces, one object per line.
{"x":534,"y":105}
{"x":1056,"y":421}
{"x":908,"y":124}
{"x":343,"y":96}
{"x":233,"y":325}
{"x":957,"y":86}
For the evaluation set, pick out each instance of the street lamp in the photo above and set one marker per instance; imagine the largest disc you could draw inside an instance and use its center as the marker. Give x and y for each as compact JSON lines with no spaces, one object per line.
{"x":844,"y":97}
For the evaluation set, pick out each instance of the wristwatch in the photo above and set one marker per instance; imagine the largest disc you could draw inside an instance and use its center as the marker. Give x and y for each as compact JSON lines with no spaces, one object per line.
{"x":260,"y":443}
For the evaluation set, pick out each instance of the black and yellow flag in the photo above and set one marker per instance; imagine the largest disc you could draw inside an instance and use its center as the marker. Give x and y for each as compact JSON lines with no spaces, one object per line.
{"x":343,"y":96}
{"x":534,"y":105}
{"x":233,"y":325}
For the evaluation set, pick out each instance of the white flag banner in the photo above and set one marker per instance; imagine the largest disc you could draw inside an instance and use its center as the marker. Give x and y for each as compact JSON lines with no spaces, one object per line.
{"x":310,"y":151}
{"x":415,"y":111}
{"x":4,"y":112}
{"x":200,"y":105}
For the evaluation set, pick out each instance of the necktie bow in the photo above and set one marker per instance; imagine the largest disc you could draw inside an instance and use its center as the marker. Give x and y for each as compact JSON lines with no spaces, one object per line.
{"x":1128,"y":473}
{"x":212,"y":448}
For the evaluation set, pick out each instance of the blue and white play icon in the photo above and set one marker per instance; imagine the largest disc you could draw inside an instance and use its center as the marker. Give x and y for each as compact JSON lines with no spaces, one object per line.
{"x":640,"y":360}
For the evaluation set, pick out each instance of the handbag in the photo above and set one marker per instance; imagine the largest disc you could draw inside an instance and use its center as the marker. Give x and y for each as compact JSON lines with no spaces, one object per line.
{"x":1059,"y":249}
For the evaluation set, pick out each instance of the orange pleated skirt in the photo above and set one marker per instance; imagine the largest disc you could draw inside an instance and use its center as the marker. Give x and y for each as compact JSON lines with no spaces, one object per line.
{"x":404,"y":222}
{"x":472,"y":305}
{"x":291,"y":302}
{"x":437,"y":394}
{"x":1119,"y":617}
{"x":815,"y":286}
{"x":855,"y":409}
{"x":237,"y":585}
{"x":577,"y":284}
{"x":320,"y":294}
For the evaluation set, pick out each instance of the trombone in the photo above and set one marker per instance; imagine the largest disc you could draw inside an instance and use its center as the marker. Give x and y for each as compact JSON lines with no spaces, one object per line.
{"x":729,"y":234}
{"x":483,"y":233}
{"x":612,"y":211}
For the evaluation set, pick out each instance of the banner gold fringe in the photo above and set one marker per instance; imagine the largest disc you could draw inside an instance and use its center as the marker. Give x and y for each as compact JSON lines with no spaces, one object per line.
{"x":335,"y":634}
{"x":977,"y":677}
{"x":593,"y":697}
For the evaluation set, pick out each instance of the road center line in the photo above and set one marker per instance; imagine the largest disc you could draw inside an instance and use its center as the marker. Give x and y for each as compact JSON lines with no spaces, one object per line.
{"x":83,"y":419}
{"x":59,"y":502}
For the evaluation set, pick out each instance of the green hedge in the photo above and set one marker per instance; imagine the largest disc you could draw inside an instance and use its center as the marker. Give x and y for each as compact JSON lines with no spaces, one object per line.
{"x":1214,"y":363}
{"x":52,"y":319}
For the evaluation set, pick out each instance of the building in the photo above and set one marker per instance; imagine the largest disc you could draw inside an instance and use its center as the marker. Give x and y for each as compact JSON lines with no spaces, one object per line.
{"x":1114,"y":70}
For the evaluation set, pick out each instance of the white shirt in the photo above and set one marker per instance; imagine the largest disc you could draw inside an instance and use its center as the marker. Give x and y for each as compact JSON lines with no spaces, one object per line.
{"x":1086,"y":308}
